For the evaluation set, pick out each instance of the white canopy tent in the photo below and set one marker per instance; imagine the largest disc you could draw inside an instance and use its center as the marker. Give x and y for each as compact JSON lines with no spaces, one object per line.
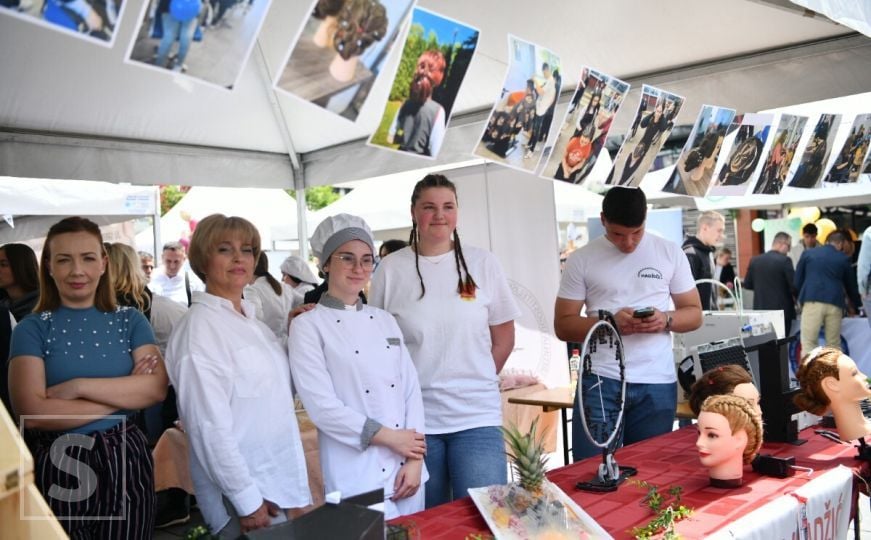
{"x":34,"y":205}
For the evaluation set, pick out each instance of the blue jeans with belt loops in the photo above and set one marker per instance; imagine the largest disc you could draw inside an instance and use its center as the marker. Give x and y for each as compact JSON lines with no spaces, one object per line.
{"x":462,"y":460}
{"x":648,"y":412}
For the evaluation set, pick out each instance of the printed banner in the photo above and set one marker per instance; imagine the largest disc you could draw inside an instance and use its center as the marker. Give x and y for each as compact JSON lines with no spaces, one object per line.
{"x":651,"y":127}
{"x":92,"y":20}
{"x":695,"y":166}
{"x":585,"y":127}
{"x":206,"y":41}
{"x":781,"y":154}
{"x":809,"y":170}
{"x":516,"y":132}
{"x":339,"y":51}
{"x":848,"y":164}
{"x":434,"y":62}
{"x":739,"y":171}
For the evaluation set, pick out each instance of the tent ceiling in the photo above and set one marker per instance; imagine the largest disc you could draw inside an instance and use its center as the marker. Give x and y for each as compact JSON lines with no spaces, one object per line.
{"x":103,"y":101}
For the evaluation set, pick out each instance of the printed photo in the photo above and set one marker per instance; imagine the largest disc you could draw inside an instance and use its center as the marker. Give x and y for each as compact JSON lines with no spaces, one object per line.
{"x":91,"y":20}
{"x":740,"y":170}
{"x":652,"y":125}
{"x":207,"y":40}
{"x":585,"y":127}
{"x":517,"y":129}
{"x":695,"y":166}
{"x":848,"y":164}
{"x":339,"y":52}
{"x":434,"y":62}
{"x":780,"y":156}
{"x":809,"y":171}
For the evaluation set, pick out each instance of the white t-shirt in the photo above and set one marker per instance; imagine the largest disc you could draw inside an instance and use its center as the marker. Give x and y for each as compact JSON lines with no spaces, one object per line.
{"x":449,"y":336}
{"x":606,"y":278}
{"x":173,"y":287}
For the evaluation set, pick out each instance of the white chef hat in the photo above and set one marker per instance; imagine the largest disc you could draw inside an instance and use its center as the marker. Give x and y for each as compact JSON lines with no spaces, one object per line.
{"x":335,"y":231}
{"x":297,"y":268}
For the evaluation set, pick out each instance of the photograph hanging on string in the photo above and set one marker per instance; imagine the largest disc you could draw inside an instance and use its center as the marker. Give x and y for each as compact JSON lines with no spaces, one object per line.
{"x":808,"y":171}
{"x":695,"y":166}
{"x":651,"y":127}
{"x":585,"y":127}
{"x":740,"y":169}
{"x":848,"y":165}
{"x":94,"y":21}
{"x":516,"y":132}
{"x":780,"y":156}
{"x":435,"y":59}
{"x":340,"y":50}
{"x":204,"y":40}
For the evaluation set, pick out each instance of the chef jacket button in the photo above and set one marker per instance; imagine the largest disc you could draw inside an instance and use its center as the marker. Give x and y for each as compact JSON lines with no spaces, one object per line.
{"x":356,"y":352}
{"x":383,"y":470}
{"x":371,"y":317}
{"x":401,"y":463}
{"x":367,"y":391}
{"x":388,"y":346}
{"x":397,"y":425}
{"x":338,"y":320}
{"x":392,"y":385}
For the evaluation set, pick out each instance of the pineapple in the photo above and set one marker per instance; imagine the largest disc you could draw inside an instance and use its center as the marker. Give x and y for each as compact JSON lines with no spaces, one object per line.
{"x":527,"y":457}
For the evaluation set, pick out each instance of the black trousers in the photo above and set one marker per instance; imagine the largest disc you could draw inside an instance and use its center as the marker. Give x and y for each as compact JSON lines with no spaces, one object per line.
{"x":99,"y":486}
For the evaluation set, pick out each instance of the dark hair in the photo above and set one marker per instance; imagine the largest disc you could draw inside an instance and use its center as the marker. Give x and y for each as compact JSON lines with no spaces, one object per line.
{"x":782,"y":237}
{"x":545,"y":66}
{"x":261,"y":269}
{"x":174,"y":246}
{"x":22,"y":263}
{"x":715,"y":382}
{"x":837,"y":236}
{"x":49,"y":296}
{"x":391,"y":246}
{"x":809,"y":228}
{"x":464,"y":285}
{"x":626,"y":206}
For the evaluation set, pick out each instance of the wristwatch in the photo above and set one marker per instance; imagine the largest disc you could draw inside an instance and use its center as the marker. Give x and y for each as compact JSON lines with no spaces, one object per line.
{"x":668,"y":320}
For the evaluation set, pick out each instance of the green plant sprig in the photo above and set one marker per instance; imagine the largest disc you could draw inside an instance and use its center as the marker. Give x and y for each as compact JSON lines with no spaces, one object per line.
{"x":667,"y":509}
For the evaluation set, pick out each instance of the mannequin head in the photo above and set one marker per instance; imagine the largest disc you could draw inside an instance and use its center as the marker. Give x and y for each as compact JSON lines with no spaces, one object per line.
{"x":829,"y":378}
{"x":731,"y":379}
{"x":730,"y":435}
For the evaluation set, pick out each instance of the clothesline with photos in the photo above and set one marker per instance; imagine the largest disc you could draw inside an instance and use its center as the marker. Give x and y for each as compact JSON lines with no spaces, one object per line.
{"x":342,"y":45}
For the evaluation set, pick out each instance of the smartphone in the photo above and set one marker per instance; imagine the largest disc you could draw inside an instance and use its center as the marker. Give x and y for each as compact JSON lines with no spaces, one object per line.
{"x":643,"y":313}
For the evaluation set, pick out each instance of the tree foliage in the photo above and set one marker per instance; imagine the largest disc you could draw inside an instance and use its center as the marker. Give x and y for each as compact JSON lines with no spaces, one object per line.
{"x":170,"y":195}
{"x":317,"y":197}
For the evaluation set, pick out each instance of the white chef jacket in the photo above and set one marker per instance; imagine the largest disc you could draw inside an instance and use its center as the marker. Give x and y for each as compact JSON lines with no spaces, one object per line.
{"x":350,"y":365}
{"x":272,"y":309}
{"x":233,"y":385}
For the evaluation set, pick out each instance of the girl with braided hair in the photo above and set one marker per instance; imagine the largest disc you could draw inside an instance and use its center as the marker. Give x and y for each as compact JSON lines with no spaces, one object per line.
{"x":456,"y":312}
{"x":730,"y":435}
{"x":829,"y":379}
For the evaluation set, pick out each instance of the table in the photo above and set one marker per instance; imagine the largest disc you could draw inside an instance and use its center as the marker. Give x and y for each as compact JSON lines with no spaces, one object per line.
{"x":551,"y":399}
{"x":561,"y":399}
{"x":667,"y":460}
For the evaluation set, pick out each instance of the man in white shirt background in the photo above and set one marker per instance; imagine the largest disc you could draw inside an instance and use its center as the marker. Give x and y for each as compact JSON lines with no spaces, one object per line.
{"x":172,"y":279}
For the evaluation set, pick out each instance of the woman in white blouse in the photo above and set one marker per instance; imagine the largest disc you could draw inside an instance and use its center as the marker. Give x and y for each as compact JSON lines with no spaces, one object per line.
{"x":234,"y":390}
{"x":356,"y":379}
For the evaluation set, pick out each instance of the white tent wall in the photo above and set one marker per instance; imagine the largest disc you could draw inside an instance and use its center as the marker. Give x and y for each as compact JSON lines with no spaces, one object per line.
{"x":513,"y":216}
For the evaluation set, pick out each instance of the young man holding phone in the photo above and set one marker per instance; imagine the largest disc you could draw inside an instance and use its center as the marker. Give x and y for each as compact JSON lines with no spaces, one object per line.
{"x":645,"y":282}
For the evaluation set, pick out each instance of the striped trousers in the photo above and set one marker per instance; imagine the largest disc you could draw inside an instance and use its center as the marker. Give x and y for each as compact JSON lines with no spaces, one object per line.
{"x":100,"y":485}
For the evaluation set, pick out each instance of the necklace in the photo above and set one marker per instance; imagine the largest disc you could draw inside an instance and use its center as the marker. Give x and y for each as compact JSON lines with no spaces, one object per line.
{"x":436,"y":259}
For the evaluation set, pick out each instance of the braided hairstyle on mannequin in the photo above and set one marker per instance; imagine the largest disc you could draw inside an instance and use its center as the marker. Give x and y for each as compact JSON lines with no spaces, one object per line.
{"x":741,"y":415}
{"x":820,"y":363}
{"x":465,"y":285}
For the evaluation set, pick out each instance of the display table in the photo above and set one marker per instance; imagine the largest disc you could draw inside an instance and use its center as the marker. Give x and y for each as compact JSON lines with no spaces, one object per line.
{"x":667,"y":460}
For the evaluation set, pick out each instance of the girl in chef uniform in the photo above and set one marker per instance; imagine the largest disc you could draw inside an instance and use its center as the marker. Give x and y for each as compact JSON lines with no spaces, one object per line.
{"x":356,"y":379}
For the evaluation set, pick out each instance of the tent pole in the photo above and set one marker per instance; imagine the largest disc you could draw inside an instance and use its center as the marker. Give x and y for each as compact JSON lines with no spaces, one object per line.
{"x":155,"y":220}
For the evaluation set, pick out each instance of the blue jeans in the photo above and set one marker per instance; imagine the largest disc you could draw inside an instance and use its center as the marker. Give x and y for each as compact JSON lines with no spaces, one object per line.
{"x":648,"y":412}
{"x":462,"y":460}
{"x":173,"y":29}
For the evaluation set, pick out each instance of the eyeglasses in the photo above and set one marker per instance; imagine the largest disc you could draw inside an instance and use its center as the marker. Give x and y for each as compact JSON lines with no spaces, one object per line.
{"x":367,"y":262}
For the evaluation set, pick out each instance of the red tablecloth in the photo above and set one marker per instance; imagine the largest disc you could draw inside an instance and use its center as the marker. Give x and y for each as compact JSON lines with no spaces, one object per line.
{"x":667,"y":460}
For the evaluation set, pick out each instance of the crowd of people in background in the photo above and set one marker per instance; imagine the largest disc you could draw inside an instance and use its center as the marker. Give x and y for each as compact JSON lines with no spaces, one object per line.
{"x":395,"y":354}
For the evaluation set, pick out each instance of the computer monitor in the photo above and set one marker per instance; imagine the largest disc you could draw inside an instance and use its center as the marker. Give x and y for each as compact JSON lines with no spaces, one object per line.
{"x":776,"y":393}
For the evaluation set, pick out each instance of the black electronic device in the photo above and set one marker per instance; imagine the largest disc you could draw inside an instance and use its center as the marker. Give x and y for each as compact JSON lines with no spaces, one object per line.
{"x":779,"y":467}
{"x":776,"y":392}
{"x":708,"y":356}
{"x":643,"y":313}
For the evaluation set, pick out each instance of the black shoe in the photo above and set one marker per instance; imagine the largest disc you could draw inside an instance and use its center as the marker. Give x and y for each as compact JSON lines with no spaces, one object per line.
{"x":173,"y":508}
